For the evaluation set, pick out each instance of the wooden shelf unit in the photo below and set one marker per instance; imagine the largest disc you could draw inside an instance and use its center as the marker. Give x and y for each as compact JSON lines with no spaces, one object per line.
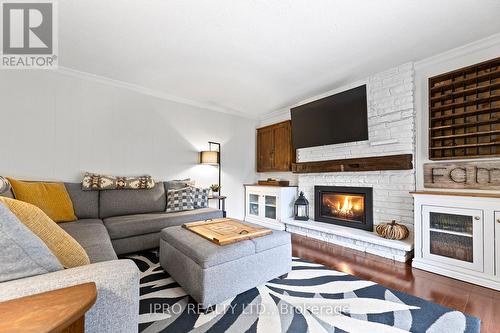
{"x":464,"y":112}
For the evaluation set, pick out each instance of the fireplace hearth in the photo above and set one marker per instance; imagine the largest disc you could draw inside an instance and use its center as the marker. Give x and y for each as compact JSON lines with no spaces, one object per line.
{"x":345,"y":206}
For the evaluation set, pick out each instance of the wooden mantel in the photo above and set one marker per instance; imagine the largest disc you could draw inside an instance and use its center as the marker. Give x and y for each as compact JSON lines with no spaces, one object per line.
{"x":377,"y":163}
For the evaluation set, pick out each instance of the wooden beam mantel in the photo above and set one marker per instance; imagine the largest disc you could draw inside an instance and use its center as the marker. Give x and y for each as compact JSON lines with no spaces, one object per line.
{"x":377,"y":163}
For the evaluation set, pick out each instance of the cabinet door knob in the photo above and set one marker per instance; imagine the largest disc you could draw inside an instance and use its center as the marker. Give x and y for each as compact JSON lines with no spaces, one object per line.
{"x":477,"y":218}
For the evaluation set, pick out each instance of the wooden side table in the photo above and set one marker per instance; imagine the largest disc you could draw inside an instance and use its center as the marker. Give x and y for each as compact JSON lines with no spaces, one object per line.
{"x":60,"y":310}
{"x":221,"y":199}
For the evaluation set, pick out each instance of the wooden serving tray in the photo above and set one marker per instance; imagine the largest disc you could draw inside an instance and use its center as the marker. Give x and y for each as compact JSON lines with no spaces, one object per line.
{"x":225,"y":231}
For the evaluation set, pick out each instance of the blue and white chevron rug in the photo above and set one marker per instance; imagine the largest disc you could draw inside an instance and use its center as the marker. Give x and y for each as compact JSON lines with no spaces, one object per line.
{"x":313,"y":298}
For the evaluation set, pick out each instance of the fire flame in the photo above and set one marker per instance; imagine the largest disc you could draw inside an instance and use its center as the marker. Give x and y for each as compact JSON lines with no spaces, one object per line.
{"x":345,"y":207}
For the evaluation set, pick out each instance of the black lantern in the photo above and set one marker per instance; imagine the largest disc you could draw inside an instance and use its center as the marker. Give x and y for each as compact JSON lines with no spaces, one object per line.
{"x":301,"y":208}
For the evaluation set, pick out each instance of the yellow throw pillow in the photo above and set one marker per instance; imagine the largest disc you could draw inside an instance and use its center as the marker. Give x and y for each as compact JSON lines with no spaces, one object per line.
{"x":52,"y":198}
{"x":59,"y":242}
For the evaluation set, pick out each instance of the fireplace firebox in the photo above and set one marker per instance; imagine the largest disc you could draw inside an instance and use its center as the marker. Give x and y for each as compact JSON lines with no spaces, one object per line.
{"x":345,"y":206}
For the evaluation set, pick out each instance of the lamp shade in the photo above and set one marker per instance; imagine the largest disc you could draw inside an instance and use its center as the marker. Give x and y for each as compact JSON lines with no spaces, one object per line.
{"x":209,"y":157}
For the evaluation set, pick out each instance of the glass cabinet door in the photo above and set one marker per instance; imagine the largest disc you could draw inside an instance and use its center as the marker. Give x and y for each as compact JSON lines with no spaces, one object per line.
{"x":270,"y":207}
{"x":253,"y":204}
{"x":454,"y":236}
{"x":451,"y":235}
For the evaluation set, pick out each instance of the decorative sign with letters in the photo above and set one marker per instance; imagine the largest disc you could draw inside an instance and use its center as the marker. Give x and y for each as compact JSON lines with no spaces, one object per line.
{"x":482,"y":175}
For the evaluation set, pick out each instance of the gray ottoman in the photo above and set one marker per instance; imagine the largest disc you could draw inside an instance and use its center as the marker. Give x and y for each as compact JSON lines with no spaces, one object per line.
{"x":211,"y":273}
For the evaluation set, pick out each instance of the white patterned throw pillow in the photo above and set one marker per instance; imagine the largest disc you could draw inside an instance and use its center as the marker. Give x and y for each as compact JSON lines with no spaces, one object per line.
{"x":93,"y":181}
{"x":4,"y":185}
{"x":180,"y":200}
{"x":200,"y":197}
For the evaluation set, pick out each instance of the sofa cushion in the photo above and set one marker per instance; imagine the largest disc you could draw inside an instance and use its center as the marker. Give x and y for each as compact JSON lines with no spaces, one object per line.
{"x":52,"y":198}
{"x":277,"y":238}
{"x":7,"y":194}
{"x":202,"y":251}
{"x":136,"y":244}
{"x":133,"y":225}
{"x":93,"y":237}
{"x":69,"y":252}
{"x":128,"y":202}
{"x":179,"y":218}
{"x":4,"y":185}
{"x":177,"y":184}
{"x":200,"y":197}
{"x":23,"y":253}
{"x":85,"y":203}
{"x":180,"y":200}
{"x":95,"y":182}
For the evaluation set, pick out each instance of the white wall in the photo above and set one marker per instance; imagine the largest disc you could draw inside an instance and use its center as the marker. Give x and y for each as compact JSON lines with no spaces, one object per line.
{"x":466,"y":55}
{"x":55,"y":126}
{"x":391,"y":131}
{"x":391,"y":127}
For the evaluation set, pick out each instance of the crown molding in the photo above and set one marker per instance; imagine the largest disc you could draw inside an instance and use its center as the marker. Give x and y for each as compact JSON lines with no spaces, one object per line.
{"x":460,"y":51}
{"x":149,"y":92}
{"x":274,"y":114}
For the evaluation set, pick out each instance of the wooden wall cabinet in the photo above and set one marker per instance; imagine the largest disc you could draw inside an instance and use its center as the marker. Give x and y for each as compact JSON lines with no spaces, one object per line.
{"x":274,"y":147}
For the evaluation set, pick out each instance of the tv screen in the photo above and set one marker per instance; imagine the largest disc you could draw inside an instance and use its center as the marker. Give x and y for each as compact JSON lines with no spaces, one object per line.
{"x":339,"y":118}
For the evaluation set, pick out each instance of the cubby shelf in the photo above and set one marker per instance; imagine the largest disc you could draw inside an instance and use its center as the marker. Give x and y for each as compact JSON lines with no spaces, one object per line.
{"x":464,"y":112}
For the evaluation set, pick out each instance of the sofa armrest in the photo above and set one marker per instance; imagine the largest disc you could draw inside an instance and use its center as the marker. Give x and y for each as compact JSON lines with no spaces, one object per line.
{"x":117,"y":306}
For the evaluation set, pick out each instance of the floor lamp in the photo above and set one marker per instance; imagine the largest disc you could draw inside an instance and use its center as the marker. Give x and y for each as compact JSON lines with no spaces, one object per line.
{"x":212,"y":157}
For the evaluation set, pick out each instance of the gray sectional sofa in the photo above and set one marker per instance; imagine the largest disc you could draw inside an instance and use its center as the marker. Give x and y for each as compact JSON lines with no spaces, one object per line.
{"x":110,"y":223}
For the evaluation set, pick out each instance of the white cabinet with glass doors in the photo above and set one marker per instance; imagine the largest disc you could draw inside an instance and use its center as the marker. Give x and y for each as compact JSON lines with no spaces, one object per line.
{"x":455,"y":236}
{"x":269,"y":205}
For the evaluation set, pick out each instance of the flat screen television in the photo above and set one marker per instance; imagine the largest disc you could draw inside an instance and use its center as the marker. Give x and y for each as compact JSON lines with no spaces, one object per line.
{"x":338,"y":118}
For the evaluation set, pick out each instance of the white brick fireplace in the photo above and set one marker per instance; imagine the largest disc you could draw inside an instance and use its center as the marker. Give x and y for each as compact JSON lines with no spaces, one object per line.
{"x":391,"y":127}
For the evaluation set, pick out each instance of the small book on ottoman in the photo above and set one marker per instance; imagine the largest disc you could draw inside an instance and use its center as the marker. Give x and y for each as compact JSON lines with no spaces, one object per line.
{"x":226,"y":231}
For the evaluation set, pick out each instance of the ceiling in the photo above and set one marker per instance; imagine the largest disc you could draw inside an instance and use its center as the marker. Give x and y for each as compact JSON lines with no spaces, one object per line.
{"x":256,"y":56}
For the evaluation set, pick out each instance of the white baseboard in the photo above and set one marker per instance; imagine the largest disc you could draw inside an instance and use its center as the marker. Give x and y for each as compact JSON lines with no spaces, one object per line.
{"x":456,"y":275}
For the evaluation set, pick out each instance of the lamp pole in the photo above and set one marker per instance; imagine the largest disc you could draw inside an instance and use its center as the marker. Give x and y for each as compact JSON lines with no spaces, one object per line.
{"x":210,"y":143}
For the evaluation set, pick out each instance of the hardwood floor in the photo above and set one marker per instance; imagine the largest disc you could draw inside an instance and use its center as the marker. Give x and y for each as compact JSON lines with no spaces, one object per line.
{"x":478,"y":301}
